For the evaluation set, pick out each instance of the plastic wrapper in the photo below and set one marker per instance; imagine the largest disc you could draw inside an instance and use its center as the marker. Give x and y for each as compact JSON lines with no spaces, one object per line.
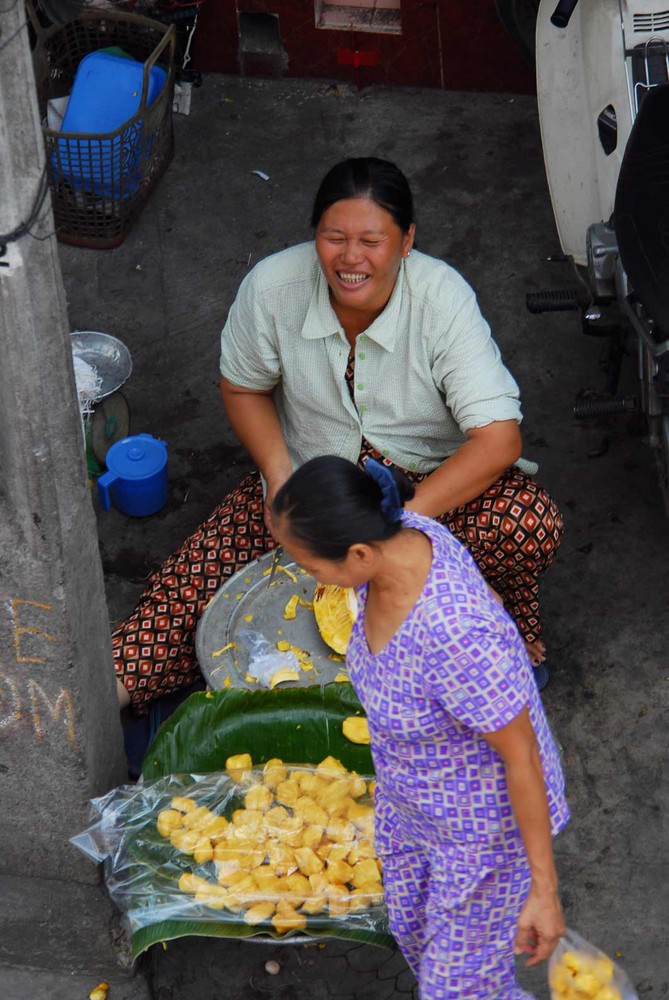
{"x":277,"y":849}
{"x":266,"y":663}
{"x":577,"y":970}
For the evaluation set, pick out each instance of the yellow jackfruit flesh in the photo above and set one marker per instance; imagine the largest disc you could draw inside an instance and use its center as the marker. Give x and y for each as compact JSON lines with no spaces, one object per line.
{"x":300,"y":845}
{"x":355,"y":729}
{"x":336,"y":609}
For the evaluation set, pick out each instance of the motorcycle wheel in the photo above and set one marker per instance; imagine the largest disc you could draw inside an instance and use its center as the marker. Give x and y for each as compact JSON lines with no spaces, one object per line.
{"x":519,"y":18}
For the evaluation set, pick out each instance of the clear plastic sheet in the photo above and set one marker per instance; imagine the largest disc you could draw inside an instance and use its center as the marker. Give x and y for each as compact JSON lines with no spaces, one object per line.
{"x":276,"y":849}
{"x":577,"y":970}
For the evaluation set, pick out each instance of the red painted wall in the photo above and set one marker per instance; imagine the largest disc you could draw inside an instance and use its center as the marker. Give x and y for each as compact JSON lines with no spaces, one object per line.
{"x":476,"y":53}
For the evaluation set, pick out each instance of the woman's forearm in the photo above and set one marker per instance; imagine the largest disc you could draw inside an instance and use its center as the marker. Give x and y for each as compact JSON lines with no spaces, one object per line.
{"x":254,"y":419}
{"x":527,"y":792}
{"x":478,"y":462}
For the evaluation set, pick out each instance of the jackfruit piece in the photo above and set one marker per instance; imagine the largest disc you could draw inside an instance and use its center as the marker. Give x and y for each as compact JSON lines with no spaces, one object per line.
{"x":185,"y":840}
{"x":169,"y":820}
{"x":259,"y":797}
{"x":198,"y":818}
{"x":282,"y":859}
{"x":333,"y":798}
{"x":189,"y":882}
{"x":100,"y":992}
{"x":238,"y":765}
{"x":341,"y":677}
{"x":183,"y":804}
{"x":312,"y":836}
{"x":308,"y":861}
{"x":274,"y":772}
{"x":287,"y":918}
{"x":358,"y":785}
{"x":602,"y":967}
{"x":338,"y":900}
{"x":204,"y":851}
{"x":330,"y":766}
{"x":365,"y":848}
{"x":371,"y":891}
{"x":365,"y":871}
{"x":356,"y":729}
{"x":247,"y":818}
{"x":259,"y":912}
{"x":214,"y":896}
{"x":290,"y":610}
{"x":341,"y":831}
{"x":215,"y":828}
{"x":298,"y":888}
{"x":319,"y":882}
{"x":226,"y":871}
{"x":335,"y":609}
{"x":311,"y":784}
{"x":339,"y":872}
{"x":287,"y":792}
{"x":276,"y":818}
{"x":282,"y":676}
{"x":314,"y":904}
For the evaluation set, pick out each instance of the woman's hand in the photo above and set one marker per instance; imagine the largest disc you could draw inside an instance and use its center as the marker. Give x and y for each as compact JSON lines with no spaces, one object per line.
{"x":540,"y":926}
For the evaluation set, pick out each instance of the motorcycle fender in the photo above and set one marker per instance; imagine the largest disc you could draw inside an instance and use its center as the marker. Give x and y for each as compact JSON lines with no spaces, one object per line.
{"x":581,"y":71}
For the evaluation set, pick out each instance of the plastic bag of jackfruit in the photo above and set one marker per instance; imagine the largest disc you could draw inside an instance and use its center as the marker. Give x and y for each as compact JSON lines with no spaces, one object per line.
{"x":577,"y":970}
{"x":277,"y":849}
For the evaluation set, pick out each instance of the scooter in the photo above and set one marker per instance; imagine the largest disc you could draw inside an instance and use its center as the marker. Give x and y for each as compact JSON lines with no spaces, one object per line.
{"x":603,"y":95}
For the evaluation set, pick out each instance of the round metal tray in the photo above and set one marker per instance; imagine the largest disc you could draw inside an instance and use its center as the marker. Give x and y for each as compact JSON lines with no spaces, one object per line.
{"x":246,"y":601}
{"x":108,"y":355}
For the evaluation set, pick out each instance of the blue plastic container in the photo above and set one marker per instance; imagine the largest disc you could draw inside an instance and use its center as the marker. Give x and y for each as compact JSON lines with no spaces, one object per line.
{"x":106,"y":94}
{"x":136,"y":480}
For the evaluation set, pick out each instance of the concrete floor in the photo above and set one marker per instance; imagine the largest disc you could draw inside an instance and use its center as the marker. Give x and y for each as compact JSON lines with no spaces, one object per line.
{"x":475,"y":164}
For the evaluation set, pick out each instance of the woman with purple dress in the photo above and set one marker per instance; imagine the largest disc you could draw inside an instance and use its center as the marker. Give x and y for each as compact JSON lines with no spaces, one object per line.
{"x":470,"y":790}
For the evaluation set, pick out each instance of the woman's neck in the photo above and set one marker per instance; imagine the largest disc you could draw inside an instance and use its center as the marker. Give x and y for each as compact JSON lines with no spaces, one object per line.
{"x":354,"y":321}
{"x":405,"y":566}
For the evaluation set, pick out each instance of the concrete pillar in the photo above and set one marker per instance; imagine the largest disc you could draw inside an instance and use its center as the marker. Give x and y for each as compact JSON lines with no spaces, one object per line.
{"x":60,"y":735}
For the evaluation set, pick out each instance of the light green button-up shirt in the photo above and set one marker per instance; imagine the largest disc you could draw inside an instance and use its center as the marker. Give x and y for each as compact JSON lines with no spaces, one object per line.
{"x":426,"y":370}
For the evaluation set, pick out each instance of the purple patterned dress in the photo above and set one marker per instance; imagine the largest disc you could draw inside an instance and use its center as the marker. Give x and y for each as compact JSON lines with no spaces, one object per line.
{"x":455,"y":870}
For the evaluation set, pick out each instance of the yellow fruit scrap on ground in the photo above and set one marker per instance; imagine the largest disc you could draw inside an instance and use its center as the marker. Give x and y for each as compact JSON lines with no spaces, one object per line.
{"x":301,"y":845}
{"x":578,"y":976}
{"x":100,"y":992}
{"x":355,"y":729}
{"x":336,"y":609}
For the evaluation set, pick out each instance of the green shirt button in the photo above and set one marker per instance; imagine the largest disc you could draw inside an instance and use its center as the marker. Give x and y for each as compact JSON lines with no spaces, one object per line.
{"x":361,"y":386}
{"x":362,"y":407}
{"x":361,"y":355}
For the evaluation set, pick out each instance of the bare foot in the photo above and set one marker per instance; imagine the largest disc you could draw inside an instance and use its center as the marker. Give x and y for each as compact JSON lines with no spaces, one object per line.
{"x":536,"y":651}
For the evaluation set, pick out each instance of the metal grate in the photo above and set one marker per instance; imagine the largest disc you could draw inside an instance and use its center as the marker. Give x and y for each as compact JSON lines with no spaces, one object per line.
{"x":645,"y":23}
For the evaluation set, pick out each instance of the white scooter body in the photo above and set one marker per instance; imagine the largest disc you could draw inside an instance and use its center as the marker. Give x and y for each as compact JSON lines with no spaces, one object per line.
{"x":584,"y":72}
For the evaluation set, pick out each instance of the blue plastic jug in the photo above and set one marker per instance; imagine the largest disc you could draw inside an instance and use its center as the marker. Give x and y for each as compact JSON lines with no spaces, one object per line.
{"x":136,"y":480}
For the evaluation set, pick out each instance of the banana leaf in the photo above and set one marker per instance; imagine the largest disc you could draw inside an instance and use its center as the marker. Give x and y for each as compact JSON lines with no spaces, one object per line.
{"x":299,"y":725}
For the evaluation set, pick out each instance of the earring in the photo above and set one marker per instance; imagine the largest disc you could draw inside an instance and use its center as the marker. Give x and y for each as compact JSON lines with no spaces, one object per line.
{"x":407,"y":254}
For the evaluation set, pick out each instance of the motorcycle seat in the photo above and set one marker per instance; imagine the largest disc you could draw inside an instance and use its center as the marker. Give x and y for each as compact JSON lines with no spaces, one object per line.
{"x":641,"y":213}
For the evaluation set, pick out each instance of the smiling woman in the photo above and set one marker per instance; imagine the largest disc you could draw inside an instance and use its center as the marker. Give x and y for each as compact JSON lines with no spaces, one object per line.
{"x":357,"y":345}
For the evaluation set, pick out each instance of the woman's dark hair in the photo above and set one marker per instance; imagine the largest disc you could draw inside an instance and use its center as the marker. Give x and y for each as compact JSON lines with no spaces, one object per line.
{"x":367,"y":177}
{"x":332,"y":504}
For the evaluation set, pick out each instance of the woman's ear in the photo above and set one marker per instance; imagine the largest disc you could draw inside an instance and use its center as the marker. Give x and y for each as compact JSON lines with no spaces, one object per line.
{"x":408,"y":239}
{"x":360,"y":555}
